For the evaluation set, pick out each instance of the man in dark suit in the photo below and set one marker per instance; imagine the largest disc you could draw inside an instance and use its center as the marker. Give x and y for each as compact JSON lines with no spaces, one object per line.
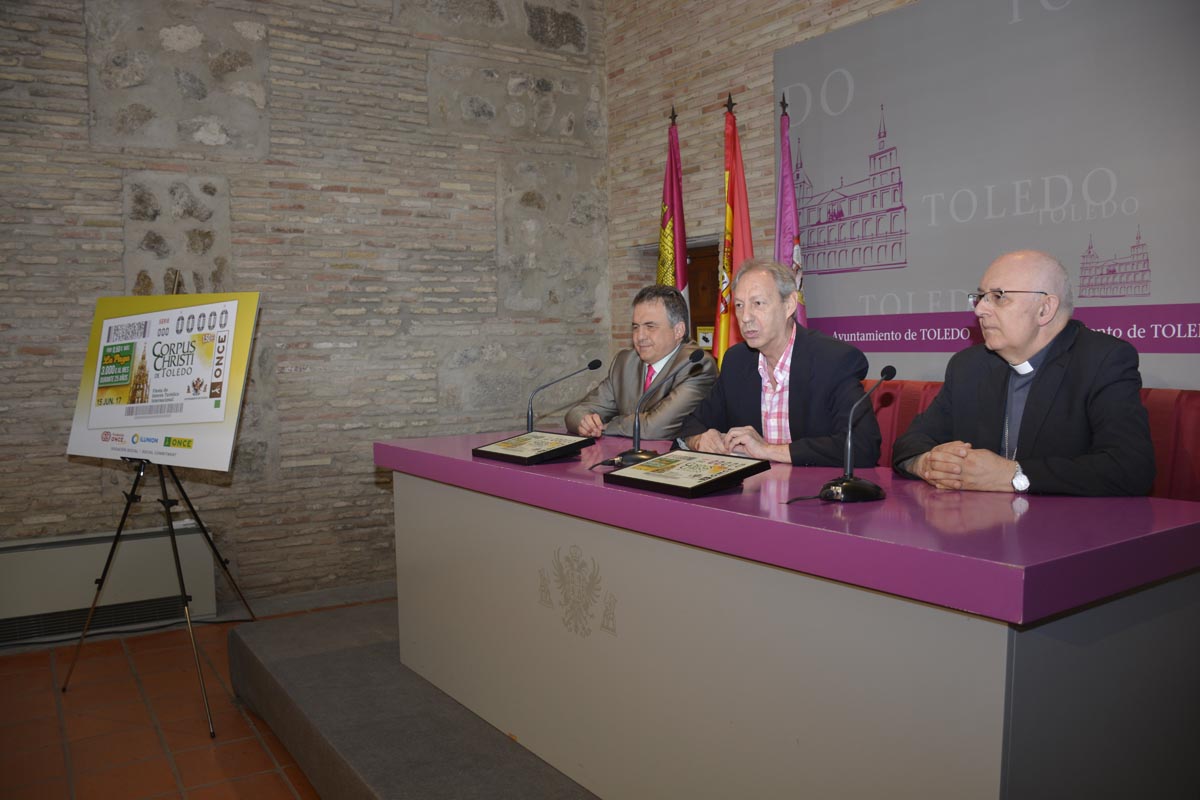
{"x":785,"y":392}
{"x":660,"y":346}
{"x":1043,"y":405}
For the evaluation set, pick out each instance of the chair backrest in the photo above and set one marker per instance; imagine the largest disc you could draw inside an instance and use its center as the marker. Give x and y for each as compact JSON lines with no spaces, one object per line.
{"x":1175,"y":432}
{"x":896,"y":403}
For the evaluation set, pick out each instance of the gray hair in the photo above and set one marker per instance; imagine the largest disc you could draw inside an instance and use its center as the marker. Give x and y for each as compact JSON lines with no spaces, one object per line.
{"x":785,"y":282}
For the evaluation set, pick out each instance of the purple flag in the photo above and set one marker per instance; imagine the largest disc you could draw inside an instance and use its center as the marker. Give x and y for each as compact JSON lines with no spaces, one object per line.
{"x":787,"y":223}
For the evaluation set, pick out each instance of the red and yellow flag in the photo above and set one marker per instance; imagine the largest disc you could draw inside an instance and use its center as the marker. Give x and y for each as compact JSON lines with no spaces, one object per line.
{"x":672,"y":238}
{"x":738,"y":245}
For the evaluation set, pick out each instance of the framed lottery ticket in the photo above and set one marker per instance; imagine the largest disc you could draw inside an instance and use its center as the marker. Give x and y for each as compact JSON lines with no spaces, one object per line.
{"x":687,"y":473}
{"x":534,"y":447}
{"x":163,"y":379}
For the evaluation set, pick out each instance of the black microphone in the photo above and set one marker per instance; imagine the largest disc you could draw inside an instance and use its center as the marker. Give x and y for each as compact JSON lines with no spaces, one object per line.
{"x":849,"y":489}
{"x":595,"y":363}
{"x":637,"y":454}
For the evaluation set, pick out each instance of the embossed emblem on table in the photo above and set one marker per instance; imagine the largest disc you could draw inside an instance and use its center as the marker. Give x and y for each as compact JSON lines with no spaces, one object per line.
{"x":608,"y":621}
{"x":544,"y":597}
{"x":578,"y":582}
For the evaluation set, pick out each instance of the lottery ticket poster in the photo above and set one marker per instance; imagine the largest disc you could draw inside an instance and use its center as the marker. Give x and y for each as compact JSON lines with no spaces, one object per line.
{"x":164,"y":377}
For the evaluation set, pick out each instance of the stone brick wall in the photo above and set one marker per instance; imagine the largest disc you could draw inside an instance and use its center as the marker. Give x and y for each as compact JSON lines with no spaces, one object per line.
{"x":417,"y":189}
{"x":452,"y":203}
{"x":692,"y":55}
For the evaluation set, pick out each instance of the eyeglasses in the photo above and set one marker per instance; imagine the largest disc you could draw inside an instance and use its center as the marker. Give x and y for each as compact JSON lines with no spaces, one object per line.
{"x":997,"y":296}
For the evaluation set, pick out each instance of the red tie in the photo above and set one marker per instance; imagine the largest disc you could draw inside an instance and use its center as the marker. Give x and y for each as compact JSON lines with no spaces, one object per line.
{"x":649,"y":378}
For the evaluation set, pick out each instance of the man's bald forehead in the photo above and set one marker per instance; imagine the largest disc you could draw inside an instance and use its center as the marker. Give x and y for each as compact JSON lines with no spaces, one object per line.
{"x":1032,"y":259}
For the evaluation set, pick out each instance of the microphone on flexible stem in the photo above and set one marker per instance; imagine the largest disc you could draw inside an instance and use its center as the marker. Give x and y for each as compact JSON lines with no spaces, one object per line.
{"x":595,"y":363}
{"x":849,"y":489}
{"x":637,"y":454}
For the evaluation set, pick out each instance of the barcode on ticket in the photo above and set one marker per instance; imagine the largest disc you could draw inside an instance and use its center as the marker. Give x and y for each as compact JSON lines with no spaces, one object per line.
{"x":128,"y":331}
{"x":153,"y":410}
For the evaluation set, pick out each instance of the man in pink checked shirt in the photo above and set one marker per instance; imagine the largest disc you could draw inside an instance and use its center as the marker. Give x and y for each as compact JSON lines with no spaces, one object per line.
{"x":785,"y":392}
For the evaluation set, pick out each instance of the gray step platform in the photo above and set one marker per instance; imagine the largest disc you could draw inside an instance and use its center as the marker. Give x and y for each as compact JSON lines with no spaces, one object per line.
{"x":362,"y":725}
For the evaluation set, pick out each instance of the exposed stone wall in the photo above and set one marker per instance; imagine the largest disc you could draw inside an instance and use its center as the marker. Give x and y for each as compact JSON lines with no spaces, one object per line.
{"x":693,"y":54}
{"x":433,"y":225}
{"x":418,"y":190}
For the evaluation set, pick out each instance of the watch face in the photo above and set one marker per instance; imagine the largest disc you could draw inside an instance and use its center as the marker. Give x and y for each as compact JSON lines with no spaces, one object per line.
{"x":1020,"y":482}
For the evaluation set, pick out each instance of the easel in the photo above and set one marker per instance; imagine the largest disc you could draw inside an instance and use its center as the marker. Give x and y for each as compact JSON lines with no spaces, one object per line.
{"x":132,"y":497}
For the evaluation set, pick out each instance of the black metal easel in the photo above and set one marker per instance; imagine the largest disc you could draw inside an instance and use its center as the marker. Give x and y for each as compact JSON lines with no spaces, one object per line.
{"x":132,"y":497}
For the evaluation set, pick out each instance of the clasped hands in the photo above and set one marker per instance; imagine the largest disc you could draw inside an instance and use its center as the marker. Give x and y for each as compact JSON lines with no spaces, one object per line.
{"x":740,"y":441}
{"x":958,"y":465}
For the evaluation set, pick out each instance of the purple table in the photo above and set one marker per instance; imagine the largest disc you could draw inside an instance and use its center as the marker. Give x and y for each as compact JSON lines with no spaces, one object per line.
{"x":1048,"y":611}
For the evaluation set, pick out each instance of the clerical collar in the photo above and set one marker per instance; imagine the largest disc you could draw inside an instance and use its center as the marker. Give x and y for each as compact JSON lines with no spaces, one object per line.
{"x":1034,"y":362}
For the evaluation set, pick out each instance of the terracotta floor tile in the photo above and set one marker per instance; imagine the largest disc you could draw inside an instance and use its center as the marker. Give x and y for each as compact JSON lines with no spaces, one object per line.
{"x":98,"y":753}
{"x":52,"y":789}
{"x":223,"y":673}
{"x":113,"y":747}
{"x":146,"y":642}
{"x":222,"y":762}
{"x":30,"y":735}
{"x":301,"y":783}
{"x":24,"y":681}
{"x":92,"y":648}
{"x":214,"y":632}
{"x":165,"y":658}
{"x":29,"y":706}
{"x":123,"y":689}
{"x":136,"y":779}
{"x":32,"y":766}
{"x":92,"y":670}
{"x":264,"y":786}
{"x":275,"y":746}
{"x":188,"y":705}
{"x":185,"y":734}
{"x":23,"y":662}
{"x":178,"y":679}
{"x":102,"y":720}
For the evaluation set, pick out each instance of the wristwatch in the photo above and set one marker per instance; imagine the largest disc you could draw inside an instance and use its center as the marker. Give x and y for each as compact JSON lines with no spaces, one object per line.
{"x":1020,"y":481}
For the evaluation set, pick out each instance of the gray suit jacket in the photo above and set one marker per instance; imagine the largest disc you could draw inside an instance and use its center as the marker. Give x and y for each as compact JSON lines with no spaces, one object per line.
{"x":671,"y":398}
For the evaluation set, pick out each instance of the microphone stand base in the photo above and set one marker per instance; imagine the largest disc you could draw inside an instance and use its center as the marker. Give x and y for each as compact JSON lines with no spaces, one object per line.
{"x":848,"y":489}
{"x":631,"y":457}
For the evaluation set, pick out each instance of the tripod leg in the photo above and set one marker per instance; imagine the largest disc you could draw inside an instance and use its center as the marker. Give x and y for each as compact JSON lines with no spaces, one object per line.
{"x":167,"y":504}
{"x":131,"y":497}
{"x":224,"y":562}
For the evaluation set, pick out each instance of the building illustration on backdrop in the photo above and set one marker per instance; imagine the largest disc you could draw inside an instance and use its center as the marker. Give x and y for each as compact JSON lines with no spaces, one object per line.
{"x":862,"y":225}
{"x":1119,"y":276}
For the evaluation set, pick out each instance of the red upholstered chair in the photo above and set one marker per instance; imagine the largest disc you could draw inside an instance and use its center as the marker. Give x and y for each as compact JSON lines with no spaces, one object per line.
{"x":1175,"y":432}
{"x":1185,"y":469}
{"x":886,"y":402}
{"x":896,"y":403}
{"x":1162,"y":405}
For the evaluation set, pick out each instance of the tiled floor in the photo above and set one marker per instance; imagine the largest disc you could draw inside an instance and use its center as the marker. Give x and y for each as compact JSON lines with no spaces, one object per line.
{"x":131,"y":725}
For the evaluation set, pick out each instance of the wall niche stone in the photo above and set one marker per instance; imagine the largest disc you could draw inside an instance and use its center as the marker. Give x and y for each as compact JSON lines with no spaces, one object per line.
{"x":515,"y":102}
{"x":177,"y":76}
{"x":177,"y":233}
